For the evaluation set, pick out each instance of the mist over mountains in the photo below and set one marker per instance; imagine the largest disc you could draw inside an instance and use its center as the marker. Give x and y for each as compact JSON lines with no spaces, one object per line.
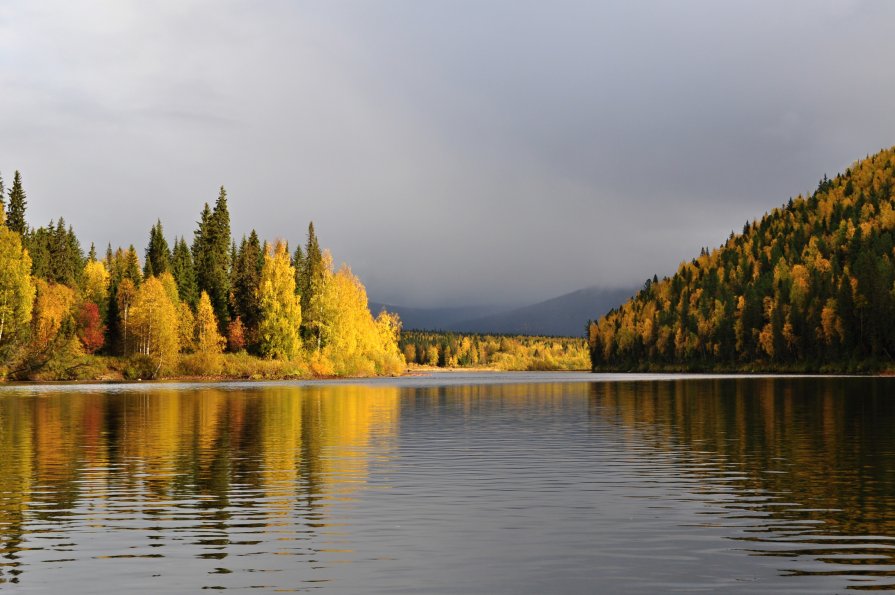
{"x":565,"y":315}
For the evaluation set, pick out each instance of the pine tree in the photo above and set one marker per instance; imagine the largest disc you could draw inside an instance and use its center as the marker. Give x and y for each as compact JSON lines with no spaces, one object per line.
{"x":15,"y":210}
{"x":158,"y":255}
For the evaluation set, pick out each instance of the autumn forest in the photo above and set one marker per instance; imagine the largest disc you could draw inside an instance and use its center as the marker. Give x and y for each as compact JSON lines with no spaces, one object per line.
{"x":808,"y":287}
{"x":209,"y":308}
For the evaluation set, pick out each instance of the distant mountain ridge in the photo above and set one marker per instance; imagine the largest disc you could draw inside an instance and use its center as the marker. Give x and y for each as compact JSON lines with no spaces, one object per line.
{"x":565,"y":315}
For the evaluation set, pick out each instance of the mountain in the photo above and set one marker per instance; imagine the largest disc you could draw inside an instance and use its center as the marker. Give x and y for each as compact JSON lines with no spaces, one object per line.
{"x":434,"y":318}
{"x":565,"y":315}
{"x":808,"y":287}
{"x":561,"y":316}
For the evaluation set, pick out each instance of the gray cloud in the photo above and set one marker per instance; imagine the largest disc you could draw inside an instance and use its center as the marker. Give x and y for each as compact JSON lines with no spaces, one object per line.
{"x":452,"y":152}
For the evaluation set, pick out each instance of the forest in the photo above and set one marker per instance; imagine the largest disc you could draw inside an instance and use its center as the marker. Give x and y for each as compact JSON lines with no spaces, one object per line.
{"x":210,"y":307}
{"x":498,"y":352}
{"x":808,"y":287}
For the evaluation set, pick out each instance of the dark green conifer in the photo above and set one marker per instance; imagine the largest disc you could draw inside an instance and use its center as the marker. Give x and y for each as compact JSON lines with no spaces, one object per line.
{"x":183,"y":272}
{"x":158,"y":255}
{"x":15,"y":210}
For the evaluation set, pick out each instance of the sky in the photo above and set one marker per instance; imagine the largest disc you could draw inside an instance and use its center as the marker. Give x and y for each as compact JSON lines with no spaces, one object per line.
{"x":452,"y":152}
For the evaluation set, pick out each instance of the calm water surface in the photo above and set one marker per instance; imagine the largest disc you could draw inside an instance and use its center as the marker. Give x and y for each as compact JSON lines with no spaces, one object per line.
{"x":538,"y":483}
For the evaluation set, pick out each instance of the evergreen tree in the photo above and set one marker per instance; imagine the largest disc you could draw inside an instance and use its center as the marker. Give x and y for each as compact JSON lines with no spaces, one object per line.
{"x":184,"y":273}
{"x":2,"y":202}
{"x":15,"y":210}
{"x":158,"y":256}
{"x":311,"y":280}
{"x":211,"y":257}
{"x":246,"y":279}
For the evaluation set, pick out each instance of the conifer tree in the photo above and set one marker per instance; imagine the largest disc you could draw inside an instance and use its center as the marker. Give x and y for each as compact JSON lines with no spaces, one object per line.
{"x":184,"y":273}
{"x":158,"y":255}
{"x":2,"y":202}
{"x":15,"y":210}
{"x":312,"y":279}
{"x":211,"y":256}
{"x":246,"y":279}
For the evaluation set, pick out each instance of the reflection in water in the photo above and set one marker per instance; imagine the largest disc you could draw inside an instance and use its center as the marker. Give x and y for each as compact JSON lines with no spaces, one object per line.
{"x":693,"y":485}
{"x":207,"y":471}
{"x":801,"y":469}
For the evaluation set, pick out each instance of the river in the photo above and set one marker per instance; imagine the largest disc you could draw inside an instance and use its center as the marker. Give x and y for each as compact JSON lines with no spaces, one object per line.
{"x":451,"y":483}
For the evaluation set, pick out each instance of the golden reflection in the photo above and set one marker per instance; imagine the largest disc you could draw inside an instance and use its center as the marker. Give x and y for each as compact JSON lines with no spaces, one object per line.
{"x":815,"y":443}
{"x":292,"y":446}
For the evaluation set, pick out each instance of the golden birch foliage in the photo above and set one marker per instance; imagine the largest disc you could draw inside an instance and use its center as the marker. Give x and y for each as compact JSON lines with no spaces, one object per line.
{"x":354,"y":341}
{"x":16,"y":287}
{"x":53,"y":305}
{"x":186,"y":327}
{"x":208,"y":339}
{"x":96,"y":282}
{"x":154,"y":325}
{"x":280,"y":306}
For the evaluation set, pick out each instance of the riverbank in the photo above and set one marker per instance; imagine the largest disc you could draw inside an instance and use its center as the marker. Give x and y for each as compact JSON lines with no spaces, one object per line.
{"x":232,"y":367}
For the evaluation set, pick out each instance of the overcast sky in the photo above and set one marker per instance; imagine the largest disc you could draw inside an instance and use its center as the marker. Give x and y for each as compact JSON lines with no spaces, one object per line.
{"x":452,"y":152}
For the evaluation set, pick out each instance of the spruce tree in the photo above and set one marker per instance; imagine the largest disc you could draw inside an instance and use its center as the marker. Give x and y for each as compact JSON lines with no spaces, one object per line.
{"x":246,"y":280}
{"x":211,"y":257}
{"x":2,"y":202}
{"x":158,"y":255}
{"x":311,"y":278}
{"x":15,"y":210}
{"x":183,"y":272}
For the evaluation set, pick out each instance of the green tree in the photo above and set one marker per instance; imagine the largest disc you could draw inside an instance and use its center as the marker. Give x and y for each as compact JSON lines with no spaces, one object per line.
{"x":246,"y":280}
{"x":211,"y":256}
{"x":15,"y":210}
{"x":158,"y":256}
{"x":184,"y":273}
{"x":312,"y":280}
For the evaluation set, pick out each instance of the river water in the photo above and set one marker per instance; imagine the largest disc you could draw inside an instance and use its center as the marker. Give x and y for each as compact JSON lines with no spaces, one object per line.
{"x":477,"y":483}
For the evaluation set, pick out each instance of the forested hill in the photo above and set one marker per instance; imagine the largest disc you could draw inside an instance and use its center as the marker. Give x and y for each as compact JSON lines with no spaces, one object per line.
{"x":809,"y":286}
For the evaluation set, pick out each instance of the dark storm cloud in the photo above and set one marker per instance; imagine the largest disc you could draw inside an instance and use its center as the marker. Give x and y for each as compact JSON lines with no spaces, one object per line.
{"x":450,"y":151}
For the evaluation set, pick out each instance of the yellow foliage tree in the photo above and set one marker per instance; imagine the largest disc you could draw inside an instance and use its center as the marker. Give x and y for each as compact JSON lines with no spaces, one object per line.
{"x":353,"y":340}
{"x":208,"y":339}
{"x":52,"y":307}
{"x":154,"y":325}
{"x":280,"y":306}
{"x":16,"y":289}
{"x":96,"y":283}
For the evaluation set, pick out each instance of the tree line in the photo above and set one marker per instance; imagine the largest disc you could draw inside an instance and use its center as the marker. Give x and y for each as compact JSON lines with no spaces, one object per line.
{"x":502,"y":352}
{"x":63,"y":314}
{"x":809,"y":286}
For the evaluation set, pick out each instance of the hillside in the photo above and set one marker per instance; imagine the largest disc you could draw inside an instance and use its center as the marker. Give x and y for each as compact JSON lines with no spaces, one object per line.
{"x":434,"y":318}
{"x":809,"y":286}
{"x":559,"y":316}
